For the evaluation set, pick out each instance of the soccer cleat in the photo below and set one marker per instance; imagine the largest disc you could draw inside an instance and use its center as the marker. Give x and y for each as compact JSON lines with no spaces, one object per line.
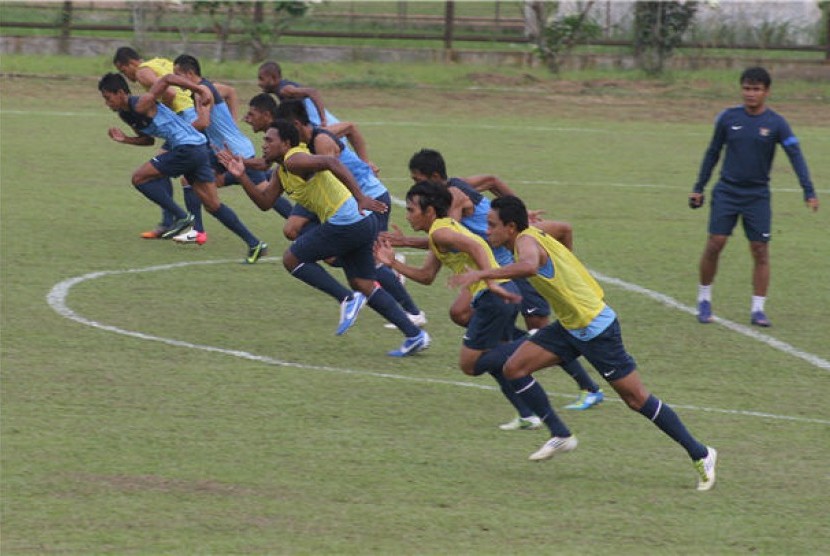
{"x":587,"y":400}
{"x":704,"y":312}
{"x":201,"y":238}
{"x":419,"y":319}
{"x":706,"y":469}
{"x":411,"y":346}
{"x":154,"y":234}
{"x":191,"y":236}
{"x":531,"y":423}
{"x":179,"y":226}
{"x":254,"y":253}
{"x":556,"y":445}
{"x":758,"y":318}
{"x":349,"y":308}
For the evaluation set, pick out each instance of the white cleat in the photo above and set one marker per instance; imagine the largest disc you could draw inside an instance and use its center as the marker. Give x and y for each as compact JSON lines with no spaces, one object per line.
{"x":531,"y":423}
{"x":186,"y":237}
{"x":418,"y":320}
{"x":706,"y":469}
{"x":556,"y":445}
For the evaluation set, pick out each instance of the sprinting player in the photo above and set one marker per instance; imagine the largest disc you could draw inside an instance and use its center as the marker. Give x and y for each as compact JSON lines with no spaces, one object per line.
{"x":489,"y":335}
{"x":128,"y":62}
{"x":321,"y":141}
{"x":586,"y":326}
{"x":470,"y":208}
{"x":323,"y":185}
{"x":269,"y":77}
{"x":188,"y":156}
{"x":750,"y":134}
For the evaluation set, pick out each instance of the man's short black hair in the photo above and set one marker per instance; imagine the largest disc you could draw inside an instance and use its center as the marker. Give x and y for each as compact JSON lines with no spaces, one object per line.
{"x":188,"y":63}
{"x":112,"y":83}
{"x":756,"y":74}
{"x":428,"y":162}
{"x":431,"y":194}
{"x":124,"y":55}
{"x":264,"y":103}
{"x":293,"y":109}
{"x":287,"y":130}
{"x":511,"y":209}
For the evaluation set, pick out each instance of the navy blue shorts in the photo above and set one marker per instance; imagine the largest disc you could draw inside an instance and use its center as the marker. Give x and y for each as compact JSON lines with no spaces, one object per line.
{"x":605,"y":352}
{"x":382,"y":218}
{"x":300,"y":210}
{"x":351,"y":244}
{"x":752,"y":205}
{"x":493,"y":320}
{"x":190,"y":161}
{"x":533,"y":304}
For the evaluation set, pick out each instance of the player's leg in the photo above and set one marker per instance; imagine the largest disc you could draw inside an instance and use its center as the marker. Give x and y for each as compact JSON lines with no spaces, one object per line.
{"x":757,"y":221}
{"x":300,"y":259}
{"x":461,"y":310}
{"x":723,"y":216}
{"x":152,"y":179}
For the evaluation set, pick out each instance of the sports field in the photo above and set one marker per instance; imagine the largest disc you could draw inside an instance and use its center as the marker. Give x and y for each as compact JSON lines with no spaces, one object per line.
{"x":168,"y":399}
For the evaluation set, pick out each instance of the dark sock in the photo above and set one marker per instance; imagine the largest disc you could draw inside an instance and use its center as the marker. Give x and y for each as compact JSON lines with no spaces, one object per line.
{"x":535,"y":397}
{"x":158,"y":191}
{"x":390,"y":283}
{"x":580,"y":375}
{"x":386,"y":306}
{"x":283,"y":207}
{"x":667,"y":421}
{"x":493,"y":362}
{"x":194,"y":207}
{"x":231,"y":221}
{"x":167,"y":217}
{"x":315,"y":276}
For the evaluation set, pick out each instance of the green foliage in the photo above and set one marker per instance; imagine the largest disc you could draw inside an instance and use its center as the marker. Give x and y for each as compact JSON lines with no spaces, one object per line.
{"x":561,"y":33}
{"x":659,"y":27}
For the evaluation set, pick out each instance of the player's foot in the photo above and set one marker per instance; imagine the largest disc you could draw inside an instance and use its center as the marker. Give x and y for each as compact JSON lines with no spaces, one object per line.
{"x":706,"y":469}
{"x":587,"y":400}
{"x":704,"y":312}
{"x":758,"y":318}
{"x":256,"y":252}
{"x":418,"y":319}
{"x":411,"y":346}
{"x":349,"y":308}
{"x":556,"y":445}
{"x":179,"y":226}
{"x":201,"y":238}
{"x":154,"y":234}
{"x":531,"y":423}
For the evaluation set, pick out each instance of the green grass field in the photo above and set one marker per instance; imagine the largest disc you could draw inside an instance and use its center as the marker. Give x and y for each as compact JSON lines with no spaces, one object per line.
{"x":167,"y":399}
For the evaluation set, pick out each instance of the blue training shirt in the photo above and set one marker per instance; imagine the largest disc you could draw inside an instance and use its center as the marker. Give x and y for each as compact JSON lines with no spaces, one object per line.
{"x":166,"y":125}
{"x":750,"y":142}
{"x":369,"y":184}
{"x":477,"y":222}
{"x":310,"y":107}
{"x":222,"y":130}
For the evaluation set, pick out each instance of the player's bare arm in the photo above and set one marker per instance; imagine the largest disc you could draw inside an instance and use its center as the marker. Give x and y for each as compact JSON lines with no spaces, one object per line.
{"x":147,"y":78}
{"x":396,"y":238}
{"x":424,"y":275}
{"x":139,"y":140}
{"x":263,"y":194}
{"x":488,"y":182}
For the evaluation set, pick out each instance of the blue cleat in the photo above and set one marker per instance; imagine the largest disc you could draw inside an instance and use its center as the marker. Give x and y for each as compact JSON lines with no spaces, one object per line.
{"x":587,"y":400}
{"x":704,"y":312}
{"x":758,"y":318}
{"x":349,"y":308}
{"x":411,"y":346}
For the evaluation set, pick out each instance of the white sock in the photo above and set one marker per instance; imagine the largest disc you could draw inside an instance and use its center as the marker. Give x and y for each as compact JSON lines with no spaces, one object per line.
{"x":758,"y":303}
{"x":704,"y":293}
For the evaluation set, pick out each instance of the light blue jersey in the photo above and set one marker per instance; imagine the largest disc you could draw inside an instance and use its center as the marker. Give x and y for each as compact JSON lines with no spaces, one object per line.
{"x":222,"y":131}
{"x":166,"y":125}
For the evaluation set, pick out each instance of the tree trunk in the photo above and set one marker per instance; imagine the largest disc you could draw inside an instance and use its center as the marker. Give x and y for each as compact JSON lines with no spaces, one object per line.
{"x":449,"y":23}
{"x":66,"y":27}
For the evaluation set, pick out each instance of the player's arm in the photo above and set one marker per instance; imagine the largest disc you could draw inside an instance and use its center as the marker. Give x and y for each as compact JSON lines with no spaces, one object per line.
{"x":560,"y":231}
{"x":710,"y":160}
{"x":461,"y":205}
{"x":352,"y":134}
{"x":424,"y":275}
{"x":530,"y":256}
{"x":447,"y":240}
{"x":140,"y":139}
{"x":228,"y":93}
{"x":488,"y":182}
{"x":292,"y":91}
{"x":147,"y":78}
{"x":790,"y":144}
{"x":263,"y":194}
{"x":396,"y":238}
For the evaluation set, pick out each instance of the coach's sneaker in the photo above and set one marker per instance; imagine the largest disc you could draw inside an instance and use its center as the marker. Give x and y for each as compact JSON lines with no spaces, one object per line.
{"x":706,"y":469}
{"x":704,"y":312}
{"x":556,"y":445}
{"x":418,"y":319}
{"x":411,"y":346}
{"x":349,"y":308}
{"x":256,"y":252}
{"x":531,"y":423}
{"x":179,"y":226}
{"x":758,"y":318}
{"x":587,"y":400}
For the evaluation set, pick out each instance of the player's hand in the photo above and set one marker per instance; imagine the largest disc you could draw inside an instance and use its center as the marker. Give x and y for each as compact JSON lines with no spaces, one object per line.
{"x":116,"y":135}
{"x":373,"y":166}
{"x":464,"y":279}
{"x":812,"y":203}
{"x":383,"y":251}
{"x":367,"y":203}
{"x":507,"y":296}
{"x":696,"y":200}
{"x":534,"y":216}
{"x":395,"y":237}
{"x":233,"y":164}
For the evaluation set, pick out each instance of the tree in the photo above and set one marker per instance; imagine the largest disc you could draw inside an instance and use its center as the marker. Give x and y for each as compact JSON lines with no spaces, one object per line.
{"x":556,"y":35}
{"x":658,"y":29}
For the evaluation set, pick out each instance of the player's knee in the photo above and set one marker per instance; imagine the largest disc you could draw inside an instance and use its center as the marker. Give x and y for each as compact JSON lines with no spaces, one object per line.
{"x":460,"y":316}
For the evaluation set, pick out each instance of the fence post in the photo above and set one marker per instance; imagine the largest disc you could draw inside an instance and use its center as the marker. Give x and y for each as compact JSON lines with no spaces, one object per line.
{"x":66,"y":27}
{"x":449,"y":17}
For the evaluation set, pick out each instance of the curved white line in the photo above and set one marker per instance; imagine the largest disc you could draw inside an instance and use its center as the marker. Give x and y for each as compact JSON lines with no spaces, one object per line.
{"x":56,"y":298}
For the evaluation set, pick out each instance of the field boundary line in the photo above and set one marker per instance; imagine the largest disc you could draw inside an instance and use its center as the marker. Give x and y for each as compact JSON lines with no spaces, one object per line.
{"x":57,"y":300}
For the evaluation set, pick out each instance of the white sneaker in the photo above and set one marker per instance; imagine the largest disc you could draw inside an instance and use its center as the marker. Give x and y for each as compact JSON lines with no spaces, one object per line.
{"x":706,"y":469}
{"x":418,"y":320}
{"x":556,"y":445}
{"x":531,"y":423}
{"x":186,"y":237}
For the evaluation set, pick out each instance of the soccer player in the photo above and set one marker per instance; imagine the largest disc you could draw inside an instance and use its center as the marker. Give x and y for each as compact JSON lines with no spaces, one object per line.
{"x":323,"y":185}
{"x":489,"y":334}
{"x":128,"y":62}
{"x":269,"y":77}
{"x":188,"y":155}
{"x":470,"y":208}
{"x":586,"y":326}
{"x":321,"y":141}
{"x":750,"y":134}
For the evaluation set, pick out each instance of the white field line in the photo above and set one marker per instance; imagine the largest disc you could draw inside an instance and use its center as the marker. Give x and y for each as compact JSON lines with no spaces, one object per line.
{"x":57,"y":296}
